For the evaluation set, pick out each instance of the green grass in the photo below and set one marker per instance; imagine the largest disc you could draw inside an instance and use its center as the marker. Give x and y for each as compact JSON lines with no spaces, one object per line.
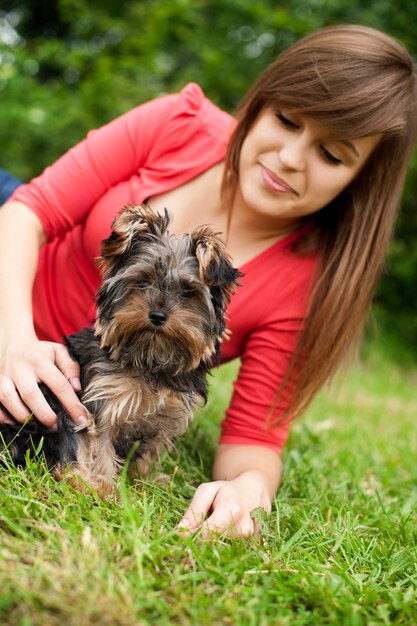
{"x":339,"y":547}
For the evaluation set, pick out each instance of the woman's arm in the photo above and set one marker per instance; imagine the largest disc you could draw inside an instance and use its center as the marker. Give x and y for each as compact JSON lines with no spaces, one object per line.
{"x":246,"y":477}
{"x":25,"y":361}
{"x":66,"y":191}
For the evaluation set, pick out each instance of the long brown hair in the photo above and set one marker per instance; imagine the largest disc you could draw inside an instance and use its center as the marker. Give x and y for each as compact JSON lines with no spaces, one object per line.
{"x":356,"y":81}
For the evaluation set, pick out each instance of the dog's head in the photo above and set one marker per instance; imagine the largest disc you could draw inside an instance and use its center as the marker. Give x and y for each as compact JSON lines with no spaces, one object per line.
{"x":163,"y":300}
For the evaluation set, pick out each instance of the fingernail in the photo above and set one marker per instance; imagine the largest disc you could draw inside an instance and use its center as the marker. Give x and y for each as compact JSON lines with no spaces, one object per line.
{"x":54,"y":427}
{"x":82,"y":420}
{"x":9,"y":422}
{"x":183,"y":524}
{"x":75,"y":382}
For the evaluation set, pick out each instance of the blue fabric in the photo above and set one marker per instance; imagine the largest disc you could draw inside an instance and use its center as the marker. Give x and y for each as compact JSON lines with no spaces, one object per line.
{"x":8,"y":184}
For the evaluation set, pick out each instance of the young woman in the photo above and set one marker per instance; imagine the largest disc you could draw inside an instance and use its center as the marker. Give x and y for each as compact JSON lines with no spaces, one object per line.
{"x":304,"y":183}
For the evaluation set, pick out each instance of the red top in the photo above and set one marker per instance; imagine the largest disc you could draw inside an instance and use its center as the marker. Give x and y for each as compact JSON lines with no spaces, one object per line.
{"x":153,"y":148}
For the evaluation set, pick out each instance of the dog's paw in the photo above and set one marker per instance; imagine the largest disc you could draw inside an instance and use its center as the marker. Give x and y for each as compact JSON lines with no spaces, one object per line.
{"x":84,"y":482}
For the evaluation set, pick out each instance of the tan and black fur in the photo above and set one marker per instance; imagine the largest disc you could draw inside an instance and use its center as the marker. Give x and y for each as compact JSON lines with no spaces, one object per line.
{"x":160,"y":321}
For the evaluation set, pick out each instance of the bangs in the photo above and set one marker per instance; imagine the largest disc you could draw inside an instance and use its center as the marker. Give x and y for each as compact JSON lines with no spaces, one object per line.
{"x":350,"y":107}
{"x":351,"y":79}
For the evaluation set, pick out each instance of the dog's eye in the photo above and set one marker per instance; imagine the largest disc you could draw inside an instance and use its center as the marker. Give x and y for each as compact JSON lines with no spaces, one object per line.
{"x":143,"y":284}
{"x":187,"y":292}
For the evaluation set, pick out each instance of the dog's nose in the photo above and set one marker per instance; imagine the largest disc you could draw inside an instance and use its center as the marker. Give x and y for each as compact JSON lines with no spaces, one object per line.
{"x":157,"y":317}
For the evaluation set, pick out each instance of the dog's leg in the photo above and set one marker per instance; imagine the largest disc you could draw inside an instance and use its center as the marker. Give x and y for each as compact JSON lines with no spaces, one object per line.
{"x":98,"y":465}
{"x":93,"y":469}
{"x":144,"y":468}
{"x":170,"y":421}
{"x":106,"y":464}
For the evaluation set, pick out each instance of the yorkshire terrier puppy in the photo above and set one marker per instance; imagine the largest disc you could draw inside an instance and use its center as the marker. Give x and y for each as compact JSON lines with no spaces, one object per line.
{"x":160,"y":321}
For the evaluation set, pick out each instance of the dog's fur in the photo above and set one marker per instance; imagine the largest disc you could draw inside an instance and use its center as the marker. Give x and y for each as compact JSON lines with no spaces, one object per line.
{"x":160,"y":321}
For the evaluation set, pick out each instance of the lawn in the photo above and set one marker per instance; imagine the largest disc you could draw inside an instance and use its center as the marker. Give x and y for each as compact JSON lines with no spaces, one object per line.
{"x":339,"y":547}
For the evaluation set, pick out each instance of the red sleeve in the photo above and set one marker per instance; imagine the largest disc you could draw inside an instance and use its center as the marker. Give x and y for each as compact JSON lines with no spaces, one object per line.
{"x":250,"y":418}
{"x":65,"y":192}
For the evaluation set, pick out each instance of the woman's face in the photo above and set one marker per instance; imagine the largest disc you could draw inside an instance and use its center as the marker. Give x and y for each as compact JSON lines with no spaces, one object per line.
{"x":290,"y":166}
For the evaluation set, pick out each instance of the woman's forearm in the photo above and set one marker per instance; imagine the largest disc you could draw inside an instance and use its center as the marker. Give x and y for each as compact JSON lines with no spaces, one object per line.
{"x":21,"y":236}
{"x":24,"y":360}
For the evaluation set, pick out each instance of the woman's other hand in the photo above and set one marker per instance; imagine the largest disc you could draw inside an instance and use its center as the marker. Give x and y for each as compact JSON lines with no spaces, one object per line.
{"x":226,"y":506}
{"x":246,"y":479}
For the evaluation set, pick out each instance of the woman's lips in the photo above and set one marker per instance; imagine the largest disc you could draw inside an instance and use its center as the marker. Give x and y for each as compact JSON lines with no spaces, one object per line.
{"x":272,"y":182}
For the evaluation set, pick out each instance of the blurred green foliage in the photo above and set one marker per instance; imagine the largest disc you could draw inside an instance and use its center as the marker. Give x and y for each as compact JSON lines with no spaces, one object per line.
{"x":70,"y":65}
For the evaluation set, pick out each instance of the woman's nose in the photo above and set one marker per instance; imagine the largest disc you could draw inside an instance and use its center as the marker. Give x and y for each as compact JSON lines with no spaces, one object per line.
{"x":293,"y":153}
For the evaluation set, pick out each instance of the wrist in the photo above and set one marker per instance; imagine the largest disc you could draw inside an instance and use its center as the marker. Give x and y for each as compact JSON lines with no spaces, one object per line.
{"x":17,"y":334}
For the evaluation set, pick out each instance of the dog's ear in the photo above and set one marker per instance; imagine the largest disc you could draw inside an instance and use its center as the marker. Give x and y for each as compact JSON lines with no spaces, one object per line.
{"x":216,"y":269}
{"x":218,"y":273}
{"x":133,"y":224}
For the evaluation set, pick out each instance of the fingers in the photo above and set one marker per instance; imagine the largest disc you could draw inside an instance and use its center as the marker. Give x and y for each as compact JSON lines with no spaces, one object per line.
{"x":216,"y":509}
{"x":25,"y":399}
{"x":229,"y":517}
{"x":232,"y":528}
{"x":67,"y":365}
{"x":21,"y":396}
{"x":199,"y":507}
{"x":10,"y":400}
{"x":55,"y":380}
{"x":5,"y":418}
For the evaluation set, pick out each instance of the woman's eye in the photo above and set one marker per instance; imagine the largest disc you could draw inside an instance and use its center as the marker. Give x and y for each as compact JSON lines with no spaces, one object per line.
{"x":285,"y":121}
{"x":329,"y":157}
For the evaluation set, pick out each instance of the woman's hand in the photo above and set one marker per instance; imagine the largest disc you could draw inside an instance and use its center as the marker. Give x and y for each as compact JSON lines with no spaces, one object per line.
{"x":226,"y":506}
{"x":246,"y":479}
{"x":26,"y":362}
